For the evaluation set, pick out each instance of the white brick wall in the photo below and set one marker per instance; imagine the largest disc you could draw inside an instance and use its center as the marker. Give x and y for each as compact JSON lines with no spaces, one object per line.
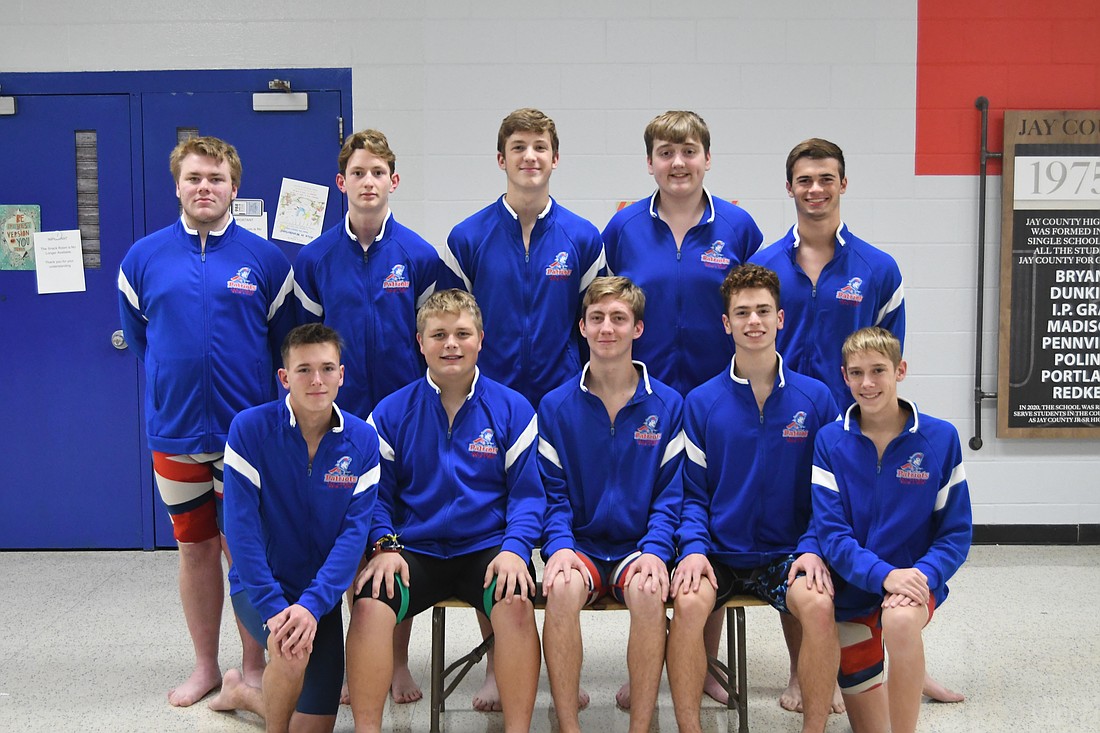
{"x":438,"y":76}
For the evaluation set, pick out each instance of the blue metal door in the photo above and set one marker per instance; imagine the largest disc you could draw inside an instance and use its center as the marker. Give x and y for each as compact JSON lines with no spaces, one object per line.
{"x":71,"y":457}
{"x":272,"y":145}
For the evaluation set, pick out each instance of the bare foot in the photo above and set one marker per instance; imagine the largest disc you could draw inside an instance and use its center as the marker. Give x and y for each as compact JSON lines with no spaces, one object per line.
{"x":487,"y":699}
{"x":838,"y":701}
{"x":938,"y":692}
{"x":583,"y":699}
{"x":230,"y":696}
{"x":622,"y":697}
{"x":201,"y":683}
{"x":345,"y":696}
{"x":791,"y":698}
{"x":403,"y":688}
{"x":715,"y":689}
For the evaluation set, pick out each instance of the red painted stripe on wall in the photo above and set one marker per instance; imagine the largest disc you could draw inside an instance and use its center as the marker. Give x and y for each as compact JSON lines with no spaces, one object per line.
{"x":1019,"y":54}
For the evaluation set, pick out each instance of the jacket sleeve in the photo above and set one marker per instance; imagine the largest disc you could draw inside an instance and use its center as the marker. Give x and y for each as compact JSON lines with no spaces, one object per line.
{"x":593,"y":258}
{"x":281,"y":311}
{"x":130,"y":308}
{"x":668,"y":493}
{"x":336,"y":574}
{"x":693,"y":536}
{"x":456,"y":259}
{"x":612,"y":245}
{"x":308,"y":305}
{"x":751,"y":238}
{"x":951,"y":519}
{"x":558,"y":532}
{"x":381,"y":523}
{"x":891,"y":302}
{"x":842,"y":551}
{"x":526,"y":496}
{"x":827,"y":412}
{"x":244,"y":532}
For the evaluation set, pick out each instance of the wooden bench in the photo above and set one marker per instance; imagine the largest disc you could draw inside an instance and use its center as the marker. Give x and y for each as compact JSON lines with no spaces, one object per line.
{"x":445,"y":680}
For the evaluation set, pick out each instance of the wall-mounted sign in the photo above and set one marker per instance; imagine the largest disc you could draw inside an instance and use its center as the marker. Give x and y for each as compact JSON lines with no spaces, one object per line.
{"x":18,"y":223}
{"x":59,"y":264}
{"x":1049,"y":370}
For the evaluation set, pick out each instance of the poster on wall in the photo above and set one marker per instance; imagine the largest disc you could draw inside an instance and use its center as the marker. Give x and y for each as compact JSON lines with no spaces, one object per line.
{"x":301,"y":211}
{"x":18,"y":223}
{"x":1049,"y":367}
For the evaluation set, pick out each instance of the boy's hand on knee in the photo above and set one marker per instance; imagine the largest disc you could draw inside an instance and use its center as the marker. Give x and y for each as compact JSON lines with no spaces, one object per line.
{"x":652,"y":572}
{"x":511,"y":574}
{"x":816,"y":571}
{"x":908,"y":582}
{"x":897,"y":600}
{"x":560,"y":567}
{"x":381,"y":570}
{"x":689,"y":574}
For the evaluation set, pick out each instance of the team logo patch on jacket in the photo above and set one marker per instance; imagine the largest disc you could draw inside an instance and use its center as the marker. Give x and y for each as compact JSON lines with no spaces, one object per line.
{"x":559,"y":269}
{"x":339,"y":477}
{"x":912,"y":471}
{"x":648,"y":433}
{"x":240,"y":283}
{"x":796,"y":431}
{"x":396,"y":280}
{"x":851,"y":293}
{"x":714,"y":258}
{"x":483,"y":445}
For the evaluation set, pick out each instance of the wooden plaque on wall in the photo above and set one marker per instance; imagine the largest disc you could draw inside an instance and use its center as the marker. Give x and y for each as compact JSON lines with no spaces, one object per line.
{"x":1049,"y":365}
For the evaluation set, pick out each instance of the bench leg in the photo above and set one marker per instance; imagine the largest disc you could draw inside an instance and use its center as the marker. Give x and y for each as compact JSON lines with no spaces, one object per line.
{"x":438,"y":649}
{"x":742,"y":671}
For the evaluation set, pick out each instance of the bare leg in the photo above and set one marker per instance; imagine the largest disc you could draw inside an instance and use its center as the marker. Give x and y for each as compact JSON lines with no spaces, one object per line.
{"x":791,"y":698}
{"x":868,"y":712}
{"x":281,"y":687}
{"x":487,"y":699}
{"x":403,"y":688}
{"x":901,"y":633}
{"x":645,"y":652}
{"x":563,"y":648}
{"x":370,"y":662}
{"x":939,"y":692}
{"x":817,"y":654}
{"x":252,"y":652}
{"x":687,"y":657}
{"x":520,"y":660}
{"x":714,"y":687}
{"x":202,"y":592}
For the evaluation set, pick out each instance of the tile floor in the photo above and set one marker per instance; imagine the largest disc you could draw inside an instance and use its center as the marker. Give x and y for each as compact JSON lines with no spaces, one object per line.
{"x":94,"y":640}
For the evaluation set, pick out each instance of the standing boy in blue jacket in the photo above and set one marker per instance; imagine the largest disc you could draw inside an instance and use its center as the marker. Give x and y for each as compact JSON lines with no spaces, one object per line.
{"x":610,"y":452}
{"x":301,"y":480}
{"x":366,"y":277}
{"x":892,"y":515}
{"x":833,"y":282}
{"x":204,"y":305}
{"x":745,"y":525}
{"x":460,"y":509}
{"x":527,"y":260}
{"x":677,"y":245}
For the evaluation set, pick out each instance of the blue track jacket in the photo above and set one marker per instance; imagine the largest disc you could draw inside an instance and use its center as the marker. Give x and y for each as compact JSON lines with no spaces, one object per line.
{"x":296,"y":529}
{"x":530,"y":302}
{"x":747,"y":472}
{"x":909,"y":510}
{"x":611,"y":487}
{"x":684,"y":343}
{"x":371,"y":298}
{"x":453,"y":490}
{"x":208,"y":326}
{"x":861,"y":286}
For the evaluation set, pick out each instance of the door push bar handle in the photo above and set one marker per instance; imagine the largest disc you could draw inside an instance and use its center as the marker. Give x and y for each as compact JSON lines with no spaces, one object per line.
{"x":118,"y":340}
